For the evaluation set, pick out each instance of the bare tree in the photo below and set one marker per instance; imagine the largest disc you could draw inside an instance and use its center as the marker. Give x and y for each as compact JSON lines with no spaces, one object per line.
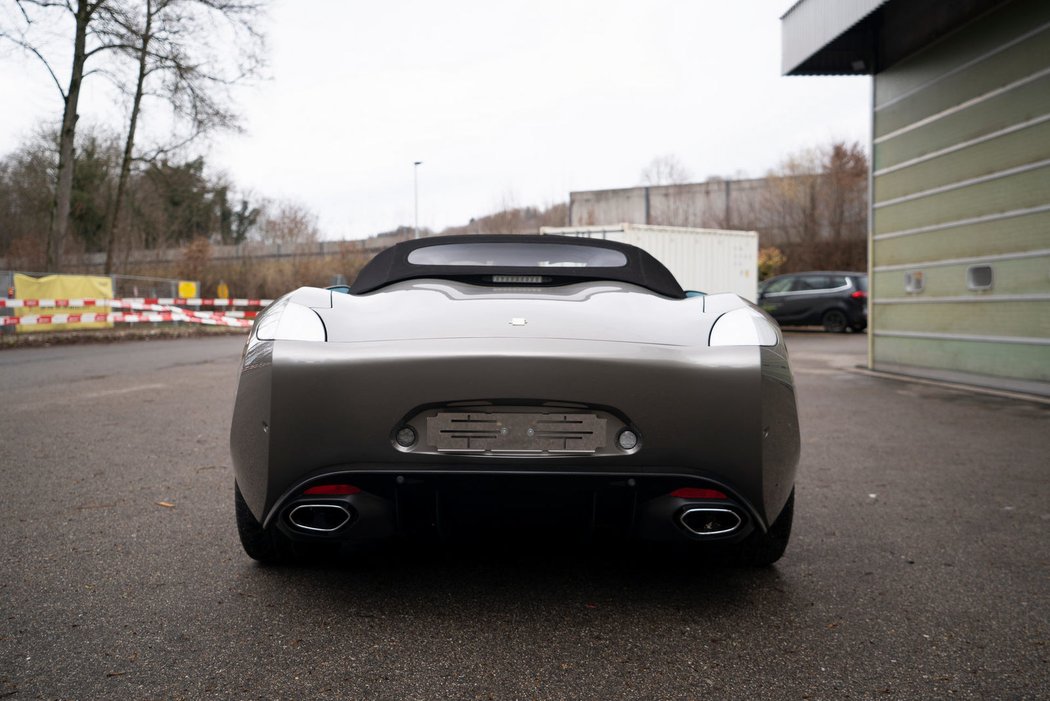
{"x":93,"y":24}
{"x":26,"y":182}
{"x":175,"y":43}
{"x":142,"y":50}
{"x":514,"y":220}
{"x":285,"y":222}
{"x":817,"y":203}
{"x":793,"y":189}
{"x":665,"y":170}
{"x":846,"y":190}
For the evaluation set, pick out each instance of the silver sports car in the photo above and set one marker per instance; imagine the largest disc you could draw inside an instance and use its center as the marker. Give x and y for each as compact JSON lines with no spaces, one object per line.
{"x":558,"y":386}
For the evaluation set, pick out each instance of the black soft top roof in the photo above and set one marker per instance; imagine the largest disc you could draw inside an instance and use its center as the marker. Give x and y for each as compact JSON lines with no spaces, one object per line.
{"x":391,"y":265}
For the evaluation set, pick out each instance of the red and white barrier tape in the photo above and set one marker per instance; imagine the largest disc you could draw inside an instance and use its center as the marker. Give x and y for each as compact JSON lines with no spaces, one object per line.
{"x":169,"y":308}
{"x":142,"y":310}
{"x":129,"y":302}
{"x":123,"y":317}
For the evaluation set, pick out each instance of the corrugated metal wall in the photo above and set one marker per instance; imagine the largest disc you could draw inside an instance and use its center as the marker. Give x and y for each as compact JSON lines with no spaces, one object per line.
{"x":961,"y":191}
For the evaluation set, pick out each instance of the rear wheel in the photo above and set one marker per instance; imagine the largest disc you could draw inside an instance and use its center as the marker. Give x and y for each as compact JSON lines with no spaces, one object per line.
{"x":835,"y":321}
{"x":761,"y":549}
{"x":266,"y":545}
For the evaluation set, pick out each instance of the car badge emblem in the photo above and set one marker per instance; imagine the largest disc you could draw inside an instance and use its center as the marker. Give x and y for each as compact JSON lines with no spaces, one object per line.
{"x":518,"y":321}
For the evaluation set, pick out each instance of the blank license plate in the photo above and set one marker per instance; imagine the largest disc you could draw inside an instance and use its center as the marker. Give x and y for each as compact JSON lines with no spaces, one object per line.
{"x":482,"y":432}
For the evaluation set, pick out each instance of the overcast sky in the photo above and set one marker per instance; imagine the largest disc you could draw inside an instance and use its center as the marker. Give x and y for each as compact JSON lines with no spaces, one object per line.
{"x":510,"y":102}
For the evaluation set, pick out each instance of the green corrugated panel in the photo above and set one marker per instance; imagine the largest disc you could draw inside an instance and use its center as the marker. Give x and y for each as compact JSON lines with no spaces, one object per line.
{"x":992,"y":31}
{"x":939,"y":80}
{"x":1011,"y":277}
{"x":1024,"y":233}
{"x":1018,"y":191}
{"x":1003,"y":152}
{"x":1005,"y":110}
{"x":1008,"y":66}
{"x":1027,"y":319}
{"x":1030,"y":362}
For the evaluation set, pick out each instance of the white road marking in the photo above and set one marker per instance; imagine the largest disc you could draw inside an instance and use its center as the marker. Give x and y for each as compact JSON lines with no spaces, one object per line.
{"x":123,"y":390}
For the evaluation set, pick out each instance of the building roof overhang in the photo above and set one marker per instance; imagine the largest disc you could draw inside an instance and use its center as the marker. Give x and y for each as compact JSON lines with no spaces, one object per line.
{"x":856,"y":37}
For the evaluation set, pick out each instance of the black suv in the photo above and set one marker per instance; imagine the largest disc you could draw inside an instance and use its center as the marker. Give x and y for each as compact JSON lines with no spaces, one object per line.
{"x":836,"y":300}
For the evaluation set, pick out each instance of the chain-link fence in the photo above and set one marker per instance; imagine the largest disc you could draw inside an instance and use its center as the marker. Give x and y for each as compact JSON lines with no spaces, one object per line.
{"x":142,"y":286}
{"x":123,"y":285}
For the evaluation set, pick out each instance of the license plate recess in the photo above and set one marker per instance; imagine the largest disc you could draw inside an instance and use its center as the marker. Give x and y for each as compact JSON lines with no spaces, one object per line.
{"x":513,"y":432}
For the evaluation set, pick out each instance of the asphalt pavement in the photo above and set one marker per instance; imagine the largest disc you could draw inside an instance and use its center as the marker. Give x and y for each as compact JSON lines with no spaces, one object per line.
{"x":919,"y":565}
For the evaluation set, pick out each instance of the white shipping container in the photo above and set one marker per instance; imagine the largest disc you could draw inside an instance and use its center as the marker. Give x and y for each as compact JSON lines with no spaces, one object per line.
{"x":707,"y":260}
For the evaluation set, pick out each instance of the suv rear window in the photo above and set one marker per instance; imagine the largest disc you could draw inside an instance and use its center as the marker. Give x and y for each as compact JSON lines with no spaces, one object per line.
{"x":837,"y":281}
{"x":782,"y":284}
{"x":813,"y":282}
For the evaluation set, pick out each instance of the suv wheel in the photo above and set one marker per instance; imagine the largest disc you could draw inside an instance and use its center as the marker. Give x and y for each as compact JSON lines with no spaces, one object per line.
{"x":835,"y":321}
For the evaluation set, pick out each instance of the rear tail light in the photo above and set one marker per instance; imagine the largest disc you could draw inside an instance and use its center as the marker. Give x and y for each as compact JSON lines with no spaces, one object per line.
{"x":859,"y":294}
{"x":332,"y":490}
{"x":698,"y":493}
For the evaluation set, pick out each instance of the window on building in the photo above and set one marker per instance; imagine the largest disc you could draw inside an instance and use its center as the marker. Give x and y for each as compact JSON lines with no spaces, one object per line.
{"x":979,"y":277}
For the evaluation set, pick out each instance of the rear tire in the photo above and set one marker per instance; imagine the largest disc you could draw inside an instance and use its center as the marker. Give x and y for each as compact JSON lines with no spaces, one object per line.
{"x":835,"y":321}
{"x":266,"y":545}
{"x":763,"y":549}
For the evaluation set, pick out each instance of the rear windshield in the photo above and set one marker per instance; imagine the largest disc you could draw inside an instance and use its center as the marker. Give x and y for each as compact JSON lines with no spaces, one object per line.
{"x":518,"y":255}
{"x":519,"y":259}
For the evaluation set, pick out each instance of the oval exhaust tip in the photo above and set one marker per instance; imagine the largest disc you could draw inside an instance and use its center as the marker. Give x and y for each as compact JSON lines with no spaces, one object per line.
{"x":319,"y":518}
{"x":708,"y":521}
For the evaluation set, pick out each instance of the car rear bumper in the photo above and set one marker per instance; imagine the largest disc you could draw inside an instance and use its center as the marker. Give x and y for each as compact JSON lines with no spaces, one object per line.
{"x":482,"y":506}
{"x":723,"y":416}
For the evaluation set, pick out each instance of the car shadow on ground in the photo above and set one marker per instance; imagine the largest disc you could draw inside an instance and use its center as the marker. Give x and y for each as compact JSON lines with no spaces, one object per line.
{"x":511,"y":578}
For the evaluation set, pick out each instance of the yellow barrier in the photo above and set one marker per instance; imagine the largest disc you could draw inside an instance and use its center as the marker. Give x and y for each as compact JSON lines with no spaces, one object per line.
{"x":63,"y":287}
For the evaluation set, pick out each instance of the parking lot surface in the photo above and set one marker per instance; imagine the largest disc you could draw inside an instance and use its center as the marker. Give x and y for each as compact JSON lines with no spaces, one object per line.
{"x":919,"y":565}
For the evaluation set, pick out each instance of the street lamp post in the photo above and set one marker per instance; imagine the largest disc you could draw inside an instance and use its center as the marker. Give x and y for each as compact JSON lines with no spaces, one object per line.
{"x":415,"y":184}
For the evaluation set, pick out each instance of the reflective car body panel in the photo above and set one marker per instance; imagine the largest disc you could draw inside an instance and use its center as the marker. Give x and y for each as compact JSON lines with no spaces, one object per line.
{"x":606,"y":354}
